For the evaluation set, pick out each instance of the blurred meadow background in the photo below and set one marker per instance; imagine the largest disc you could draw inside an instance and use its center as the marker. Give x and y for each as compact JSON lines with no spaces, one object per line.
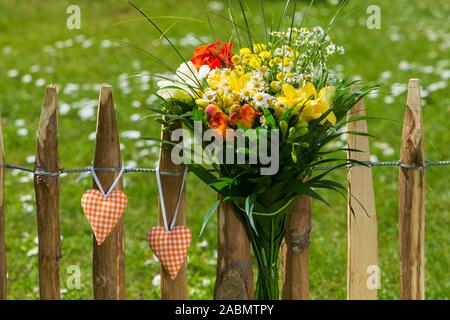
{"x":37,"y":49}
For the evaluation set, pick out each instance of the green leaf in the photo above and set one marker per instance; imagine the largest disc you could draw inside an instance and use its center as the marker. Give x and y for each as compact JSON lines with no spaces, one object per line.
{"x":249,"y":205}
{"x":202,"y":173}
{"x":197,"y":114}
{"x":209,"y":214}
{"x":222,"y":183}
{"x":269,"y":118}
{"x":300,"y":188}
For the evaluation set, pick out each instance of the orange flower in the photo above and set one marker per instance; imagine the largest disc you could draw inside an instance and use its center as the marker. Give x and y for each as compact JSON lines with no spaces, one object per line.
{"x":217,"y":119}
{"x":244,"y":116}
{"x":213,"y":55}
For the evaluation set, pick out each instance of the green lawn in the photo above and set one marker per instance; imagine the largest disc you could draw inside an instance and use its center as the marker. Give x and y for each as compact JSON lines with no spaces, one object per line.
{"x":37,"y":49}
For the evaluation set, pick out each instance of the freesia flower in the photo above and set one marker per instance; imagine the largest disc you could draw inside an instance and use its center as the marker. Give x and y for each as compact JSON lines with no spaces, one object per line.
{"x":213,"y":55}
{"x":243,"y":116}
{"x":217,"y":119}
{"x":186,"y":84}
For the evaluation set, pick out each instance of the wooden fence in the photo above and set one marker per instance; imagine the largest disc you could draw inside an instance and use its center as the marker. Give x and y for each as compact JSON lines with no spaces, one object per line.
{"x":234,"y":264}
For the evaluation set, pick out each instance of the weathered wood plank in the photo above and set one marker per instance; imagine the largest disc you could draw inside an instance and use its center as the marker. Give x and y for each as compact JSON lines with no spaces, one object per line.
{"x":234,"y":279}
{"x":176,"y":289}
{"x":47,"y":198}
{"x":3,"y":280}
{"x":362,"y":264}
{"x":412,"y":200}
{"x":295,"y":252}
{"x":109,"y":258}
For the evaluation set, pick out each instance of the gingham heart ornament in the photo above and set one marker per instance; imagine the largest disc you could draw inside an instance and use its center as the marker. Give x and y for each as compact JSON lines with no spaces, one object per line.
{"x":171,"y":243}
{"x":170,"y":247}
{"x":104,"y":210}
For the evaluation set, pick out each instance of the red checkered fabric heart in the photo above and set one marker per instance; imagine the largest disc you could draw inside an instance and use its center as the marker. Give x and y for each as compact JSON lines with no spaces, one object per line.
{"x":103,"y":214}
{"x":170,"y":247}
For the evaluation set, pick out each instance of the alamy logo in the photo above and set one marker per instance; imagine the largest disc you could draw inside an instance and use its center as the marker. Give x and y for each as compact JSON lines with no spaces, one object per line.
{"x":74,"y":19}
{"x":374,"y":19}
{"x":237,"y":147}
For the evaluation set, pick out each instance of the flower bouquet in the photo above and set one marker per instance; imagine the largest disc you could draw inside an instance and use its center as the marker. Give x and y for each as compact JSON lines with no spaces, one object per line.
{"x":255,"y":121}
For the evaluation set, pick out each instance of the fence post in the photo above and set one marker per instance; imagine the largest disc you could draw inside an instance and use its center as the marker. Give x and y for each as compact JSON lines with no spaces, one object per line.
{"x":108,"y":259}
{"x":295,"y":252}
{"x":176,"y":289}
{"x":412,"y":200}
{"x":362,"y":265}
{"x":234,"y":280}
{"x":2,"y":222}
{"x":47,"y":198}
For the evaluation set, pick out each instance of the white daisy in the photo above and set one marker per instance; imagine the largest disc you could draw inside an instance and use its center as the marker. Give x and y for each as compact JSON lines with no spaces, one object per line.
{"x":261,"y":99}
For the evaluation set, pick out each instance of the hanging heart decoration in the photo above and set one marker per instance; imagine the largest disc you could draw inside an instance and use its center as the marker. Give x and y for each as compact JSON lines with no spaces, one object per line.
{"x":170,"y":247}
{"x":103,"y":213}
{"x":104,"y":209}
{"x":170,"y":243}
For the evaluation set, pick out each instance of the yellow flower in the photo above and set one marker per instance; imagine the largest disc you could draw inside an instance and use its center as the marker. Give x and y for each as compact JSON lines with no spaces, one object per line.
{"x":275,"y":85}
{"x":279,"y":108}
{"x":254,"y":63}
{"x":236,"y":59}
{"x":236,"y":82}
{"x":287,"y":62}
{"x":265,"y":54}
{"x":263,"y":69}
{"x":225,"y":100}
{"x":239,"y":70}
{"x":259,"y":47}
{"x":273,"y":62}
{"x":244,"y":51}
{"x":201,"y":103}
{"x":247,"y":58}
{"x":296,"y":97}
{"x":324,"y":101}
{"x":311,"y":103}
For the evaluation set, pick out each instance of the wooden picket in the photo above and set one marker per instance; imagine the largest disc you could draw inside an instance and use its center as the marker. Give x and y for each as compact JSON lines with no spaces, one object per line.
{"x":361,"y":216}
{"x":109,"y":258}
{"x":176,"y":289}
{"x":234,"y":278}
{"x":295,"y":252}
{"x":47,"y":198}
{"x":234,"y":267}
{"x":412,"y":200}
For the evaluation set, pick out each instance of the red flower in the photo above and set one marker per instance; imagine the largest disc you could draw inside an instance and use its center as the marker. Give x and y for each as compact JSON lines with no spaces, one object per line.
{"x":213,"y":55}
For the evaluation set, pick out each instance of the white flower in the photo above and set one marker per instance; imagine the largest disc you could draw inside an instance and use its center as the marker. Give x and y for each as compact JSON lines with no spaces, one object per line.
{"x":318,"y":30}
{"x":202,"y":244}
{"x":156,"y":280}
{"x":27,"y":78}
{"x":186,"y":83}
{"x":13,"y":73}
{"x":19,"y":122}
{"x":131,"y":134}
{"x":22,"y":132}
{"x":245,"y":93}
{"x":209,"y":95}
{"x":34,"y":251}
{"x":206,"y":282}
{"x":261,"y":99}
{"x":331,"y":49}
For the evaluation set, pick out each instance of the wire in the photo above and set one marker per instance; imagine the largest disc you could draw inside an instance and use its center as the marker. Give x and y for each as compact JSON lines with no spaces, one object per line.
{"x":42,"y":173}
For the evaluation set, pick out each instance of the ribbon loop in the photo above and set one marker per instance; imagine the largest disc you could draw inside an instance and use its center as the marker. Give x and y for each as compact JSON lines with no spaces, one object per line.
{"x":162,"y":202}
{"x":113,"y":185}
